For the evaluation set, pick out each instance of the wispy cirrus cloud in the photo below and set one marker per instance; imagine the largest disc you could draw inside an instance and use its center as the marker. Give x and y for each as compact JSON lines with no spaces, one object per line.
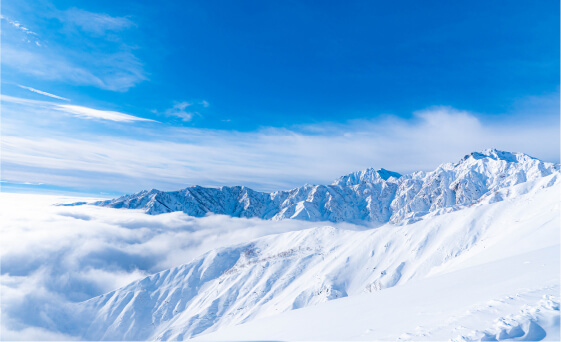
{"x":17,"y":25}
{"x":49,"y":66}
{"x":96,"y":23}
{"x":79,"y":111}
{"x":179,"y":110}
{"x":43,"y":93}
{"x":90,"y":113}
{"x":72,"y":46}
{"x":185,"y":110}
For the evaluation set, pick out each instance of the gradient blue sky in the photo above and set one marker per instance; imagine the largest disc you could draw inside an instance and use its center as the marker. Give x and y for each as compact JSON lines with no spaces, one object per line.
{"x":116,"y":96}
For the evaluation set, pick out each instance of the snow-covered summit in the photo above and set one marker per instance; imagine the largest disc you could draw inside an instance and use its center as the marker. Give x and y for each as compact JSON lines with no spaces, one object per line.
{"x":369,"y":196}
{"x":495,"y":154}
{"x":370,"y":175}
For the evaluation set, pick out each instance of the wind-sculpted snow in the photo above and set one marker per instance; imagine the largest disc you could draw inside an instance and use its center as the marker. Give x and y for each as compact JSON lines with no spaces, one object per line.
{"x":279,"y":273}
{"x":370,"y":196}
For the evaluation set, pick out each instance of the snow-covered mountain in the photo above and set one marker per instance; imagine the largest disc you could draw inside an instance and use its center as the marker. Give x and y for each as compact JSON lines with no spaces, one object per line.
{"x":368,"y":196}
{"x":279,"y":273}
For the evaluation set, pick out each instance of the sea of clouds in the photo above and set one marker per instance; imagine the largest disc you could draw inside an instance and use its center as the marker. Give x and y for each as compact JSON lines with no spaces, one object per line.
{"x":52,"y":256}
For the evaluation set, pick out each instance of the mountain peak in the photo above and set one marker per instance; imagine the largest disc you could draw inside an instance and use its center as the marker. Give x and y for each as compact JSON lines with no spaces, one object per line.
{"x":386,"y":174}
{"x":369,"y":175}
{"x":493,"y":153}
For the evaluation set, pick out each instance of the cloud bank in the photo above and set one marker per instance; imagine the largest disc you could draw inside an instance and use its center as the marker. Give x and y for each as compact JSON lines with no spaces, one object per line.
{"x":270,"y":159}
{"x":81,"y":252}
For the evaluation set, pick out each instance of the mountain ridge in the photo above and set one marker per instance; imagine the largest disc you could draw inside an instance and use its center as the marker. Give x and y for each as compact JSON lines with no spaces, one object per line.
{"x":367,"y":197}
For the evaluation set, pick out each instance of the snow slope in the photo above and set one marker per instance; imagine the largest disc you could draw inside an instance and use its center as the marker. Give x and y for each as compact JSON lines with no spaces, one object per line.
{"x":516,"y":298}
{"x":470,"y":255}
{"x":369,"y":196}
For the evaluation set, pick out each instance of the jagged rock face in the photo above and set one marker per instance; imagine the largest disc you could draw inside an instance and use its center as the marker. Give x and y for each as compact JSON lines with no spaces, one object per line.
{"x":364,"y":197}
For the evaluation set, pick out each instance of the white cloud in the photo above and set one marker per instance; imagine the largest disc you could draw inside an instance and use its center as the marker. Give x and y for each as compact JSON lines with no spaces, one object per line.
{"x":80,"y":53}
{"x":61,"y":255}
{"x":97,"y":23}
{"x":48,"y":66}
{"x":179,"y":110}
{"x":43,"y":93}
{"x":20,"y":33}
{"x":117,"y":72}
{"x":270,"y":159}
{"x":90,"y":113}
{"x":18,"y":25}
{"x":79,"y":111}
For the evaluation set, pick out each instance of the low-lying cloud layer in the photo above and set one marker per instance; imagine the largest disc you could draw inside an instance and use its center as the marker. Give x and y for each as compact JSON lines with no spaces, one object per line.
{"x":59,"y":255}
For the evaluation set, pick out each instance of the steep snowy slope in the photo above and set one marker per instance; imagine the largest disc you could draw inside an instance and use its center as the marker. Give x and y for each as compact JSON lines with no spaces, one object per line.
{"x":513,"y":299}
{"x":283,"y":272}
{"x":368,"y":196}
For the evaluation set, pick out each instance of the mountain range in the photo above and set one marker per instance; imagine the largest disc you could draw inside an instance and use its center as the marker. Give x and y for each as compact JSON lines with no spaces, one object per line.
{"x":368,"y":197}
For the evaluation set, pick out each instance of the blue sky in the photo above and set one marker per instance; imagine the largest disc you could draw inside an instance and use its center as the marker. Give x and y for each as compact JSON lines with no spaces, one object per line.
{"x":108,"y":97}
